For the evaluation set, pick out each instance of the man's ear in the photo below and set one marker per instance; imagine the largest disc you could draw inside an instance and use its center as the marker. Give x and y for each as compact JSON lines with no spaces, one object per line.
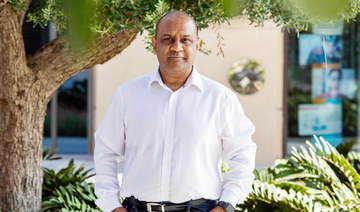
{"x":153,"y":41}
{"x":198,"y":42}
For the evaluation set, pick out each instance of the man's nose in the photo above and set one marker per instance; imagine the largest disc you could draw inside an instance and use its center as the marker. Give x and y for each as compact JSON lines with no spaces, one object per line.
{"x":176,"y":46}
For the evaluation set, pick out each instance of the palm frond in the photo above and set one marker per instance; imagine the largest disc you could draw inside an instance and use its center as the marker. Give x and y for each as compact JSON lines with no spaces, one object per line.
{"x":316,"y":178}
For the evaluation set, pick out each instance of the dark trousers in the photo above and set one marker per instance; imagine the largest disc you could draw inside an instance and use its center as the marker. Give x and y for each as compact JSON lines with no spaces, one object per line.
{"x":130,"y":205}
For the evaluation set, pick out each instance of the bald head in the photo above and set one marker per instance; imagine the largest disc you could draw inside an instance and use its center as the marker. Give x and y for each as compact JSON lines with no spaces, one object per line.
{"x":175,"y":14}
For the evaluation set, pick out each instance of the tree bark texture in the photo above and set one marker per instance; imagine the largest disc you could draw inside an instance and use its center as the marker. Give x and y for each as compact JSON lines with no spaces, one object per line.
{"x":26,"y":87}
{"x":21,"y":122}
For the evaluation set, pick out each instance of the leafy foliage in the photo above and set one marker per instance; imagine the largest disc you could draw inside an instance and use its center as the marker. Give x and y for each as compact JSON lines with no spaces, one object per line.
{"x":82,"y":20}
{"x":293,"y":14}
{"x":79,"y":18}
{"x":318,"y":178}
{"x":17,"y":4}
{"x":354,"y":159}
{"x":66,"y":190}
{"x":345,"y":148}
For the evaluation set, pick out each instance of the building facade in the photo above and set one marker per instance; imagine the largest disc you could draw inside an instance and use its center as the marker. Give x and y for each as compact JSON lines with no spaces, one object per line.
{"x":290,"y":85}
{"x":263,"y":107}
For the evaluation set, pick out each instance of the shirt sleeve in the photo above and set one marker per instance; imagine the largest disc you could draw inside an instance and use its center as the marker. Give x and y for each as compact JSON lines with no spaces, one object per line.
{"x":238,"y":152}
{"x":109,"y":149}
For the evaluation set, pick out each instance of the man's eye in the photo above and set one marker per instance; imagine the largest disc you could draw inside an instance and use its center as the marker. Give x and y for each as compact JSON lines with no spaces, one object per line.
{"x":185,"y":40}
{"x":167,"y":39}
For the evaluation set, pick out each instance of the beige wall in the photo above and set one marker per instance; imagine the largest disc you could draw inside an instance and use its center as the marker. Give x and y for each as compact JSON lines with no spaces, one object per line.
{"x":264,"y":108}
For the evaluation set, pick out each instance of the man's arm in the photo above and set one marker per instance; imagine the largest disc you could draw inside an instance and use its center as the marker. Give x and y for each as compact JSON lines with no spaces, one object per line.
{"x":109,"y":145}
{"x":238,"y":152}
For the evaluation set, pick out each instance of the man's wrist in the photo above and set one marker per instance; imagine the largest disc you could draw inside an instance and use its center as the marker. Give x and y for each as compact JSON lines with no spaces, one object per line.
{"x":119,"y":209}
{"x":227,"y":206}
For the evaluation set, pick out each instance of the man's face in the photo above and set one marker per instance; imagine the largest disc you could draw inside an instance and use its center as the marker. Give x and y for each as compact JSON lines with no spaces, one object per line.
{"x":176,"y":44}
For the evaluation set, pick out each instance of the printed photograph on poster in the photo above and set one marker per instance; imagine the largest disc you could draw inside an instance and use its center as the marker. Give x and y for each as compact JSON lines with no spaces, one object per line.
{"x":313,"y":48}
{"x":320,"y":119}
{"x":333,"y":83}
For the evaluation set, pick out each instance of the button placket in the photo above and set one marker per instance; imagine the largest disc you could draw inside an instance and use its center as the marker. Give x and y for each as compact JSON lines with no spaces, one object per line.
{"x":168,"y":146}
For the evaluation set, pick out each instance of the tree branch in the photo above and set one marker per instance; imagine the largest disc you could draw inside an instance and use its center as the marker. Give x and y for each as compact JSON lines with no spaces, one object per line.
{"x":54,"y":63}
{"x":13,"y":67}
{"x":21,"y":13}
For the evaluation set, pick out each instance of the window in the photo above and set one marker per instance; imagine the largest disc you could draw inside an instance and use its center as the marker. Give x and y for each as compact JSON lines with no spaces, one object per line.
{"x":323,"y":71}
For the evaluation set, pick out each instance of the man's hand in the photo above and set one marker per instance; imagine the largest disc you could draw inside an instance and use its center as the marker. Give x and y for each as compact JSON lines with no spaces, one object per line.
{"x":120,"y":209}
{"x":217,"y":209}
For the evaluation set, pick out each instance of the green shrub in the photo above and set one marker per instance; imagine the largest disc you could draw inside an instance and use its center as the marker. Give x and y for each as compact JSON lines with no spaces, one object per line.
{"x":66,"y":190}
{"x":318,"y":178}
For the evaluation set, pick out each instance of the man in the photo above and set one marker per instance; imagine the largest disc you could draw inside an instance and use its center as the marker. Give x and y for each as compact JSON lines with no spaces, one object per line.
{"x":171,"y":128}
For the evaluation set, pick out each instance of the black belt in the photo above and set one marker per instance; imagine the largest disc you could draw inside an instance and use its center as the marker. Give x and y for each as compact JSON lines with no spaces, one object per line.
{"x":163,"y":207}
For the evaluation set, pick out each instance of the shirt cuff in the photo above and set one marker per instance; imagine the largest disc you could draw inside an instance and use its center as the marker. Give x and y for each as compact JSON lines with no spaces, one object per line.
{"x":108,"y":202}
{"x":230,"y":197}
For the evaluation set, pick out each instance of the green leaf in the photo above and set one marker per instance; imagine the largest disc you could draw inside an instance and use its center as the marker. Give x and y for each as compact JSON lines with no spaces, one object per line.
{"x":345,"y":147}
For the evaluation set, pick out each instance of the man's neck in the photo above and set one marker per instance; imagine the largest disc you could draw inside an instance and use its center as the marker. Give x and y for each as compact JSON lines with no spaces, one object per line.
{"x":174,"y":80}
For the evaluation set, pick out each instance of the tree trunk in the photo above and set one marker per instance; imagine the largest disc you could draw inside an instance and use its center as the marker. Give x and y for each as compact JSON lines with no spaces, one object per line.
{"x":22,"y":116}
{"x":21,"y":130}
{"x":26,"y":87}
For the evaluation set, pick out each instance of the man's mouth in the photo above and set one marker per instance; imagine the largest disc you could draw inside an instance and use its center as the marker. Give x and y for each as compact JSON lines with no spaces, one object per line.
{"x":176,"y":57}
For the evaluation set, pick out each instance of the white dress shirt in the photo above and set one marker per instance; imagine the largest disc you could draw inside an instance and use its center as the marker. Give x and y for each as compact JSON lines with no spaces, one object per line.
{"x":172,"y":143}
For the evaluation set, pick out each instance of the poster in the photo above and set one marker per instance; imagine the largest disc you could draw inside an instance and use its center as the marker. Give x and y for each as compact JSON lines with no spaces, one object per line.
{"x":318,"y":49}
{"x":333,"y":83}
{"x":320,"y":119}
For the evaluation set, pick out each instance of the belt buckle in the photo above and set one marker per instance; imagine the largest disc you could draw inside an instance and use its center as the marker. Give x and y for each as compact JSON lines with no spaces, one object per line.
{"x":150,"y":204}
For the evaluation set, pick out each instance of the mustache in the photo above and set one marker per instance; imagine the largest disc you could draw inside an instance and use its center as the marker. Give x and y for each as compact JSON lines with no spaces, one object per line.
{"x":175,"y":54}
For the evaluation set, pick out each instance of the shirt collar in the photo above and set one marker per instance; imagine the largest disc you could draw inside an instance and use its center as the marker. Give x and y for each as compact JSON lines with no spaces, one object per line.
{"x":155,"y":77}
{"x":194,"y":79}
